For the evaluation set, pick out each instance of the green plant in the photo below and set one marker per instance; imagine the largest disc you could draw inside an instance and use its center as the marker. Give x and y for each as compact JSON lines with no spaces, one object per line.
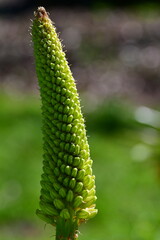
{"x":68,"y":185}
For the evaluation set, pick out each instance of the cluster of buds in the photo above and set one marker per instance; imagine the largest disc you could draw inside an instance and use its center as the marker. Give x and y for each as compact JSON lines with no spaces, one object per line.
{"x":67,"y":184}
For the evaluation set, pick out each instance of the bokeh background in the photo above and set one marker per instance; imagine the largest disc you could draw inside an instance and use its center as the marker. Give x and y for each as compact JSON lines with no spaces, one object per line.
{"x":113,"y":48}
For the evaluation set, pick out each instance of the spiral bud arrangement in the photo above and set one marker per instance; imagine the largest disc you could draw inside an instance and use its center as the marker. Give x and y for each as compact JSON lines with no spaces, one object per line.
{"x":68,"y":185}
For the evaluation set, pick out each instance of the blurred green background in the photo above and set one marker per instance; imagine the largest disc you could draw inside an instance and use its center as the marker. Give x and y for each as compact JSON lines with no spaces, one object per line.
{"x":114,"y":52}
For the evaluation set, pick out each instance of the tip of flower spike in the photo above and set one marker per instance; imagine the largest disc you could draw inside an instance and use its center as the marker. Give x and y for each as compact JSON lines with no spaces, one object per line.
{"x":41,"y":13}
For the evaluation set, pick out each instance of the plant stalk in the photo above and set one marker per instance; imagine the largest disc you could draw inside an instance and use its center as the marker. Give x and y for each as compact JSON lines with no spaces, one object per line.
{"x":66,"y":229}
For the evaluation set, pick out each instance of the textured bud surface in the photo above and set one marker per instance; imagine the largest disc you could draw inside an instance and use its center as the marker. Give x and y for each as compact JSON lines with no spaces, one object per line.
{"x":68,"y":186}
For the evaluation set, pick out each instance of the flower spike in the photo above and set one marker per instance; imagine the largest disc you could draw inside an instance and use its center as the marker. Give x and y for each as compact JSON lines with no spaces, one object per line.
{"x":67,"y":183}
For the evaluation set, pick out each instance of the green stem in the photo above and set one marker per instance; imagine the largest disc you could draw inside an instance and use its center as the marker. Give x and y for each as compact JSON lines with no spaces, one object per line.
{"x":66,"y":229}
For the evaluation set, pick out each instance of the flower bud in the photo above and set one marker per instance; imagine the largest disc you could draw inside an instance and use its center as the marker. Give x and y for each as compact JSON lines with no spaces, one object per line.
{"x":58,"y":203}
{"x":81,"y":174}
{"x":72,"y":183}
{"x":67,"y":182}
{"x":65,"y":214}
{"x":92,"y":212}
{"x":54,"y":193}
{"x":45,"y":217}
{"x":62,"y":192}
{"x":77,"y":201}
{"x":89,"y":201}
{"x":45,"y":194}
{"x":79,"y":187}
{"x":48,"y":208}
{"x":68,"y":170}
{"x":83,"y":214}
{"x":69,"y":196}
